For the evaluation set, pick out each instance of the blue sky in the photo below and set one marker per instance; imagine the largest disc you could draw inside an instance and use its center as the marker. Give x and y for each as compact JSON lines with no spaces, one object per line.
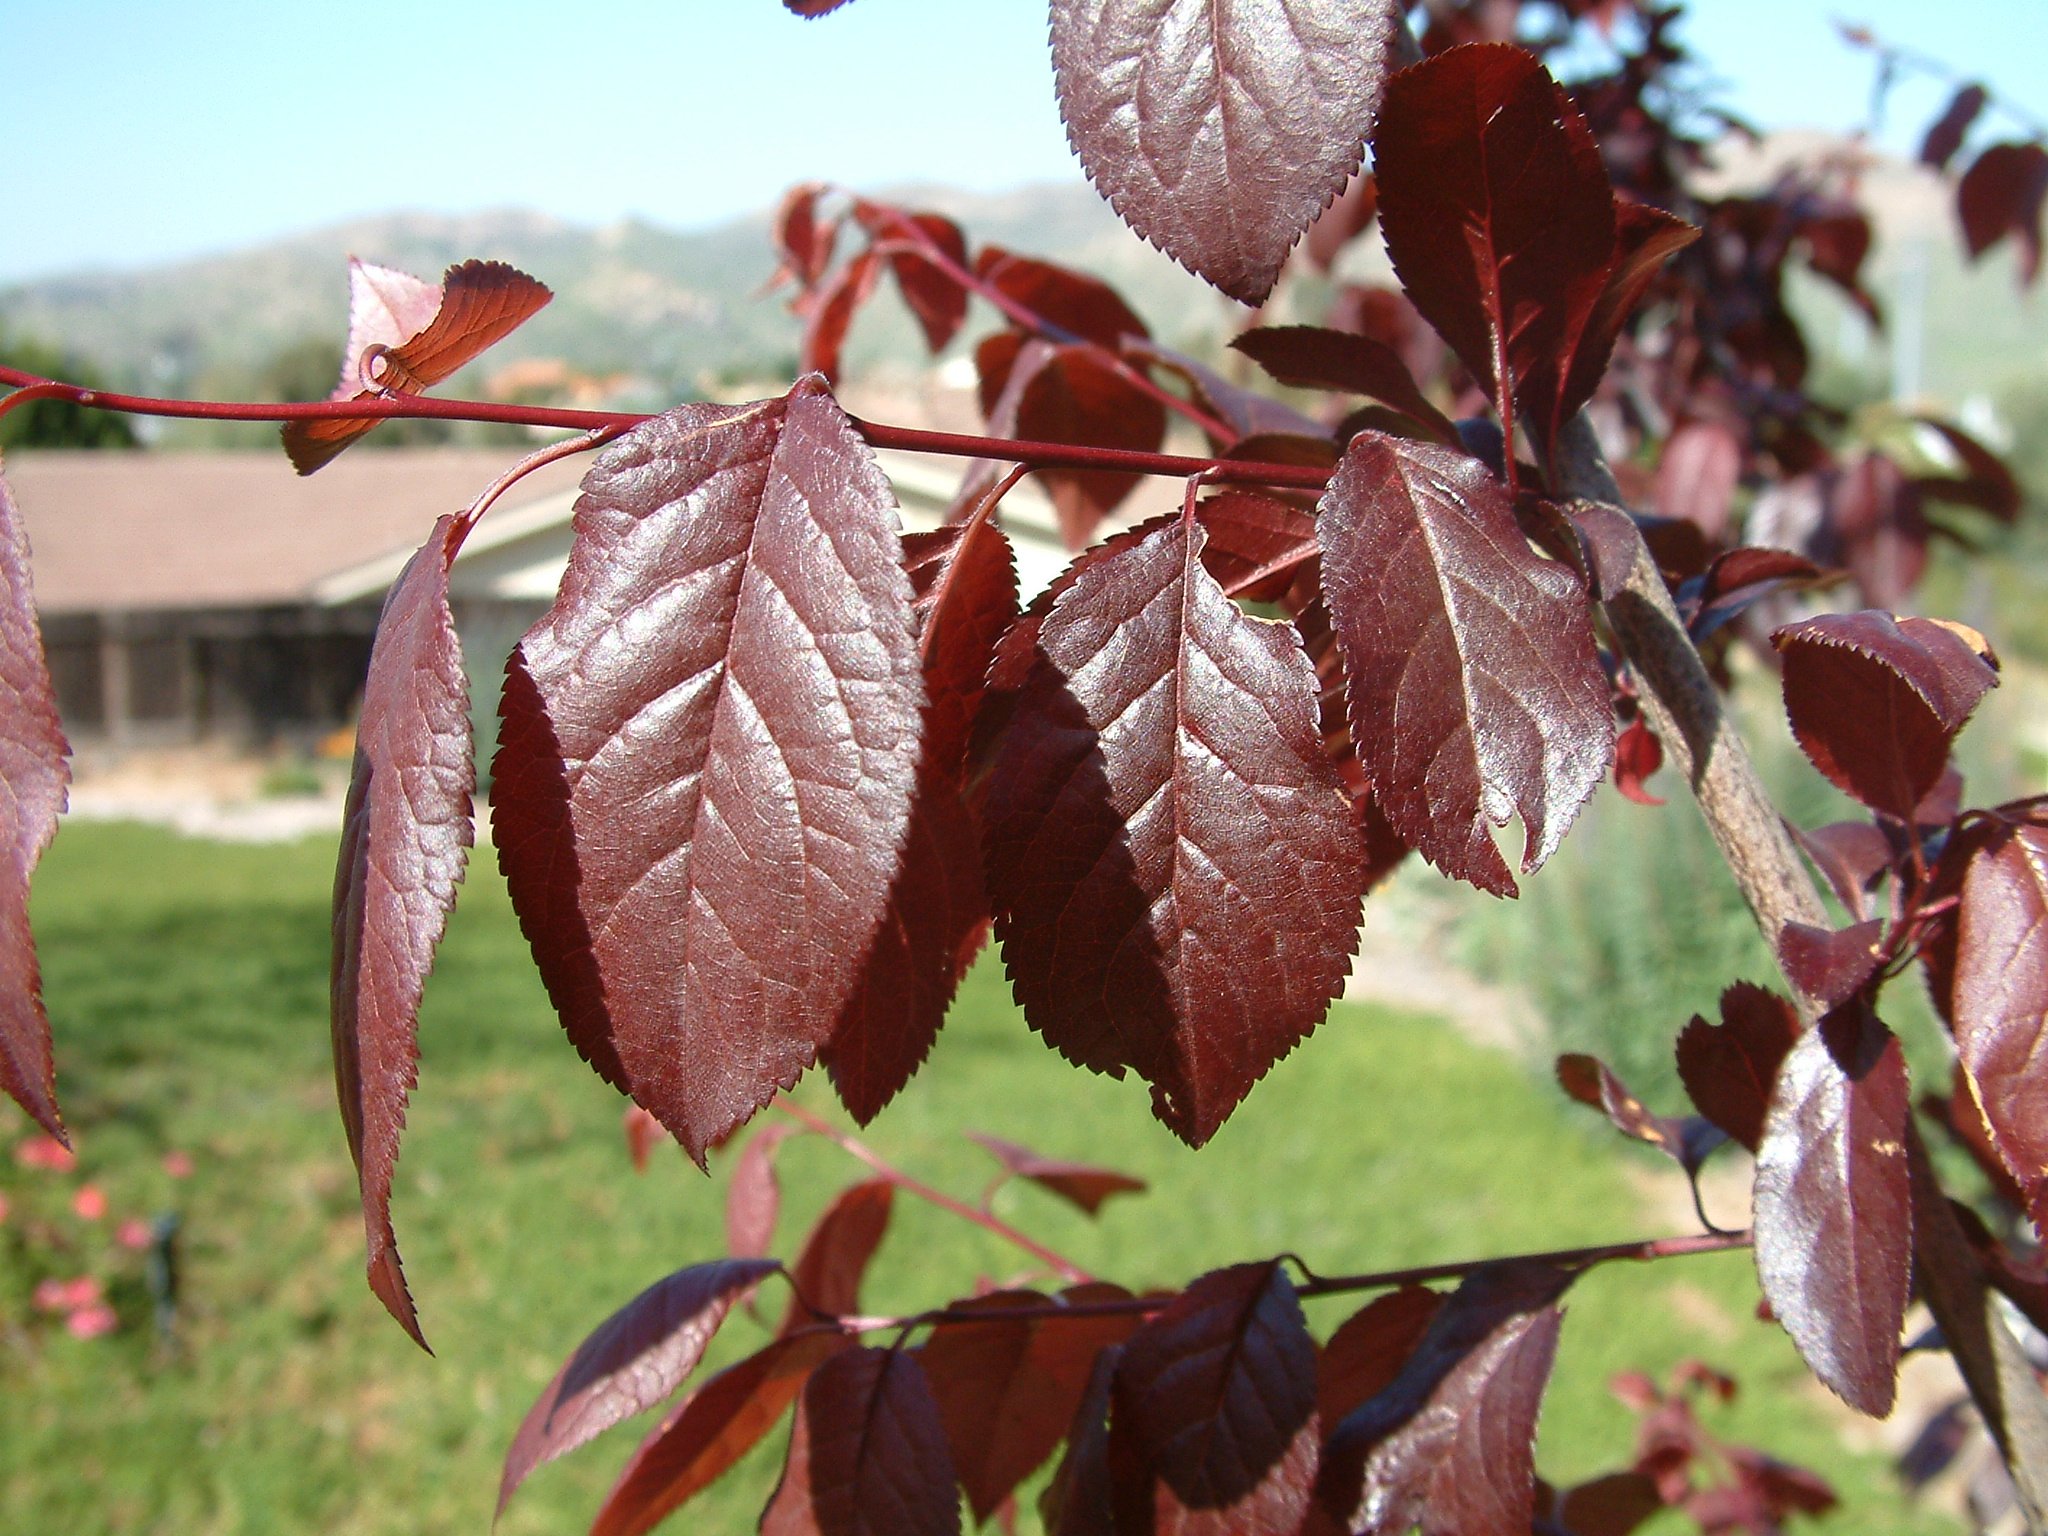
{"x":140,"y":132}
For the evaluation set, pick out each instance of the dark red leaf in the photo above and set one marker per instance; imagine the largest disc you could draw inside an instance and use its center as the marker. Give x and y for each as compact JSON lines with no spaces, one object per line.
{"x":1173,"y":863}
{"x":1257,"y":545}
{"x":1280,"y":1502}
{"x":405,"y":336}
{"x":2000,"y":1007}
{"x":1728,"y":1069}
{"x":1474,"y":690}
{"x":1986,"y":482}
{"x":1637,"y":754}
{"x":1837,"y":241}
{"x":1613,"y":1505}
{"x":2002,"y":194}
{"x":1829,"y":965}
{"x":1500,"y":222}
{"x":1877,"y":515}
{"x":634,"y":1359}
{"x":1957,"y":1113}
{"x":700,"y":826}
{"x":753,"y":1198}
{"x":805,"y":243}
{"x":1080,"y":1184}
{"x":868,"y":1454}
{"x":931,"y":294}
{"x":1876,"y":701}
{"x":1852,"y":856}
{"x":828,"y":313}
{"x":1834,"y":1225}
{"x":964,"y":587}
{"x":1945,"y":135}
{"x":716,"y":1425}
{"x":1219,"y":1383}
{"x":828,"y":1271}
{"x":1449,"y":1444}
{"x":1085,"y":307}
{"x":1080,"y":1498}
{"x":1221,"y":137}
{"x":1004,"y":1408}
{"x":1309,"y":357}
{"x":1369,"y":1348}
{"x":1739,"y":577}
{"x":33,"y":769}
{"x":1685,"y":1139}
{"x":808,"y":8}
{"x":1071,"y":394}
{"x":405,"y":837}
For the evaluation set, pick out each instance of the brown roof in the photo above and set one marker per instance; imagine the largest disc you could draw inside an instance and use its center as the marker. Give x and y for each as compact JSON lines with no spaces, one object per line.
{"x":113,"y":530}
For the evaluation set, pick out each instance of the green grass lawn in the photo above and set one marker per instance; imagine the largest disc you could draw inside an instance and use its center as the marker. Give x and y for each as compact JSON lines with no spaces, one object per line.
{"x":187,"y":984}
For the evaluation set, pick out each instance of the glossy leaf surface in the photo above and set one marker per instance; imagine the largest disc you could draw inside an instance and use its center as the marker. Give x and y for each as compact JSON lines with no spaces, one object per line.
{"x":406,"y":335}
{"x":35,"y":777}
{"x":405,"y":837}
{"x":1220,"y":129}
{"x":1499,"y":219}
{"x":708,"y":754}
{"x":1834,"y":1225}
{"x":1173,"y":863}
{"x":1473,"y":690}
{"x":2000,"y":1001}
{"x":1369,"y":1348}
{"x":634,"y":1359}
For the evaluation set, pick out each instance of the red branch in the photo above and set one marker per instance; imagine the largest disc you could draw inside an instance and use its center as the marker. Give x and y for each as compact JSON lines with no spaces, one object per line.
{"x":909,"y":439}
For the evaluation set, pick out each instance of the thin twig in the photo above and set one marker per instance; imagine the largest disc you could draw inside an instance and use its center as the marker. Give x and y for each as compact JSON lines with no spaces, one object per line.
{"x":911,"y":1185}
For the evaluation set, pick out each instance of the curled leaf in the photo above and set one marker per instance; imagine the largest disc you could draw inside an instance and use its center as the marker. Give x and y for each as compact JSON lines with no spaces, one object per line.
{"x":1078,"y":1183}
{"x":406,"y":833}
{"x":406,"y":335}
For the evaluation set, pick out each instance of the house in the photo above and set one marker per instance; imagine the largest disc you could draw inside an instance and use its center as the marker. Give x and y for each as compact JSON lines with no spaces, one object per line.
{"x":220,"y":597}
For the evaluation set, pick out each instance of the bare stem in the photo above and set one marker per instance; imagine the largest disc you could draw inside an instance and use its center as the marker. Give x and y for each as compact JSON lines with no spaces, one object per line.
{"x":1038,"y":455}
{"x":911,"y":1185}
{"x":1644,"y":1251}
{"x":567,"y":448}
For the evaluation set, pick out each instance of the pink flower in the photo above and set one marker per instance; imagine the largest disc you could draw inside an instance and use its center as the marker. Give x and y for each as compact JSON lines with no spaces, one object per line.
{"x":178,"y":1165}
{"x":92,"y":1322}
{"x":89,"y":1203}
{"x":50,"y":1295}
{"x":68,"y":1295}
{"x":45,"y":1152}
{"x":3,"y":1207}
{"x":132,"y":1233}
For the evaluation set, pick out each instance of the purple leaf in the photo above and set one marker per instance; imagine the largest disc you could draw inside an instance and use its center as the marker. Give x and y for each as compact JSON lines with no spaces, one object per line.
{"x":1220,"y":132}
{"x":965,"y":596}
{"x":753,"y":1197}
{"x":1686,"y":1140}
{"x":1449,"y":1443}
{"x":1500,"y":222}
{"x":1474,"y":691}
{"x":1309,"y":357}
{"x":405,"y":837}
{"x":1827,"y":965}
{"x":868,"y":1455}
{"x":1367,"y":1351}
{"x":827,"y":1275}
{"x":1729,"y":1068}
{"x":708,"y":753}
{"x":716,"y":1425}
{"x":35,"y":775}
{"x":1175,"y":869}
{"x":1834,"y":1224}
{"x":1219,"y":1383}
{"x":2000,"y":1001}
{"x":1876,"y":701}
{"x":2003,"y":193}
{"x":1945,"y":134}
{"x":634,"y":1359}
